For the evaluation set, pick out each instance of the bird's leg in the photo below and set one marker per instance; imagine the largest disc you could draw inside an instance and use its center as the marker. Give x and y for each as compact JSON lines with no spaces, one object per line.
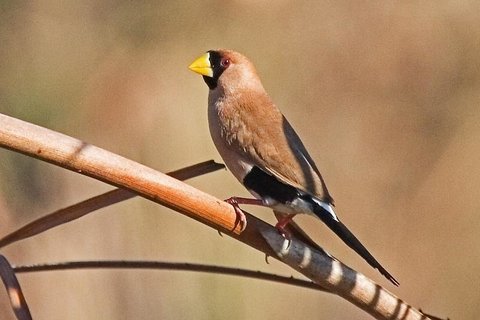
{"x":282,"y":225}
{"x":235,"y":202}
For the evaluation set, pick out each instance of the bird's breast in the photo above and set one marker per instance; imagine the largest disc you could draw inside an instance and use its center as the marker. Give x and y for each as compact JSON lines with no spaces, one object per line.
{"x":228,"y":134}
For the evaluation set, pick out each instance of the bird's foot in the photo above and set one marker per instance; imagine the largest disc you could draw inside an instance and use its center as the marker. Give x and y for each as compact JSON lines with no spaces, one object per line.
{"x":284,"y":231}
{"x":241,"y":218}
{"x":281,"y":226}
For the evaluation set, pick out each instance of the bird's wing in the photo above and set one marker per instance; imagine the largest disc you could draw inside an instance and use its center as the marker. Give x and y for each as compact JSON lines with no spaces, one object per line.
{"x":278,"y":150}
{"x":312,"y":180}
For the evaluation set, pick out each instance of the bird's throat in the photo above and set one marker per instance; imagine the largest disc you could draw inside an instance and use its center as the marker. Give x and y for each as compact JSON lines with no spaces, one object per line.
{"x":211,"y":82}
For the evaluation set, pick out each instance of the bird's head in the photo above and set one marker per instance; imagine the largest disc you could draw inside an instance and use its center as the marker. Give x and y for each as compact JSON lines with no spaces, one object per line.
{"x":226,"y":69}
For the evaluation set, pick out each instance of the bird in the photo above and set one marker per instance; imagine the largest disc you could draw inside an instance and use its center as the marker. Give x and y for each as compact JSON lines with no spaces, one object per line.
{"x":263,"y":151}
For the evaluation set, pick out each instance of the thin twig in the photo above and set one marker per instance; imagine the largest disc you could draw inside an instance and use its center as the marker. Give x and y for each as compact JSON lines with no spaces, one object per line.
{"x":158,"y":265}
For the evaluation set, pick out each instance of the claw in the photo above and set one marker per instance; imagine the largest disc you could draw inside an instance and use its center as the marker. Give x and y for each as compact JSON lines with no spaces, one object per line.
{"x":266,"y":259}
{"x":287,"y":243}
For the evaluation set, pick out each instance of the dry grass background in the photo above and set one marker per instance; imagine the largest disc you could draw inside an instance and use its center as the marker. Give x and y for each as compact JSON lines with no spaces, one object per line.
{"x":385,"y":96}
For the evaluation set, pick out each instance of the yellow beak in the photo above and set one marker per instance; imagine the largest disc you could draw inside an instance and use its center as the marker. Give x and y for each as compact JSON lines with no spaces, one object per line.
{"x":202,"y":66}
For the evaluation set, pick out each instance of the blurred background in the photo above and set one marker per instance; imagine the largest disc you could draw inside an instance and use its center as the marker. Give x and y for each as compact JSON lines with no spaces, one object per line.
{"x":385,"y":95}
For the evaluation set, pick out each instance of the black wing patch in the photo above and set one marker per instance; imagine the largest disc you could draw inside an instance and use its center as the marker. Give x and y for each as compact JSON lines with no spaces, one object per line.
{"x":266,"y":185}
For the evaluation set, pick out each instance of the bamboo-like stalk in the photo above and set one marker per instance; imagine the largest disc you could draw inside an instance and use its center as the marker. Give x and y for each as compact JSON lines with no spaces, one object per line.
{"x":100,"y":164}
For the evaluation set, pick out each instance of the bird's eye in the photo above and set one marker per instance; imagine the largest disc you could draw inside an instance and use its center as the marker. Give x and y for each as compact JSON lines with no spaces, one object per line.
{"x":225,"y":62}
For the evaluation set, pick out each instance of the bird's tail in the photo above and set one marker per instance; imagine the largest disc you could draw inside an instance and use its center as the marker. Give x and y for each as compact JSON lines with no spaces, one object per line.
{"x":327,"y":215}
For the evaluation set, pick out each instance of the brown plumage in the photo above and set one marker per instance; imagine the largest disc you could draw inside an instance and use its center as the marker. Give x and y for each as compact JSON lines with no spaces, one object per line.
{"x":242,"y":113}
{"x":261,"y":148}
